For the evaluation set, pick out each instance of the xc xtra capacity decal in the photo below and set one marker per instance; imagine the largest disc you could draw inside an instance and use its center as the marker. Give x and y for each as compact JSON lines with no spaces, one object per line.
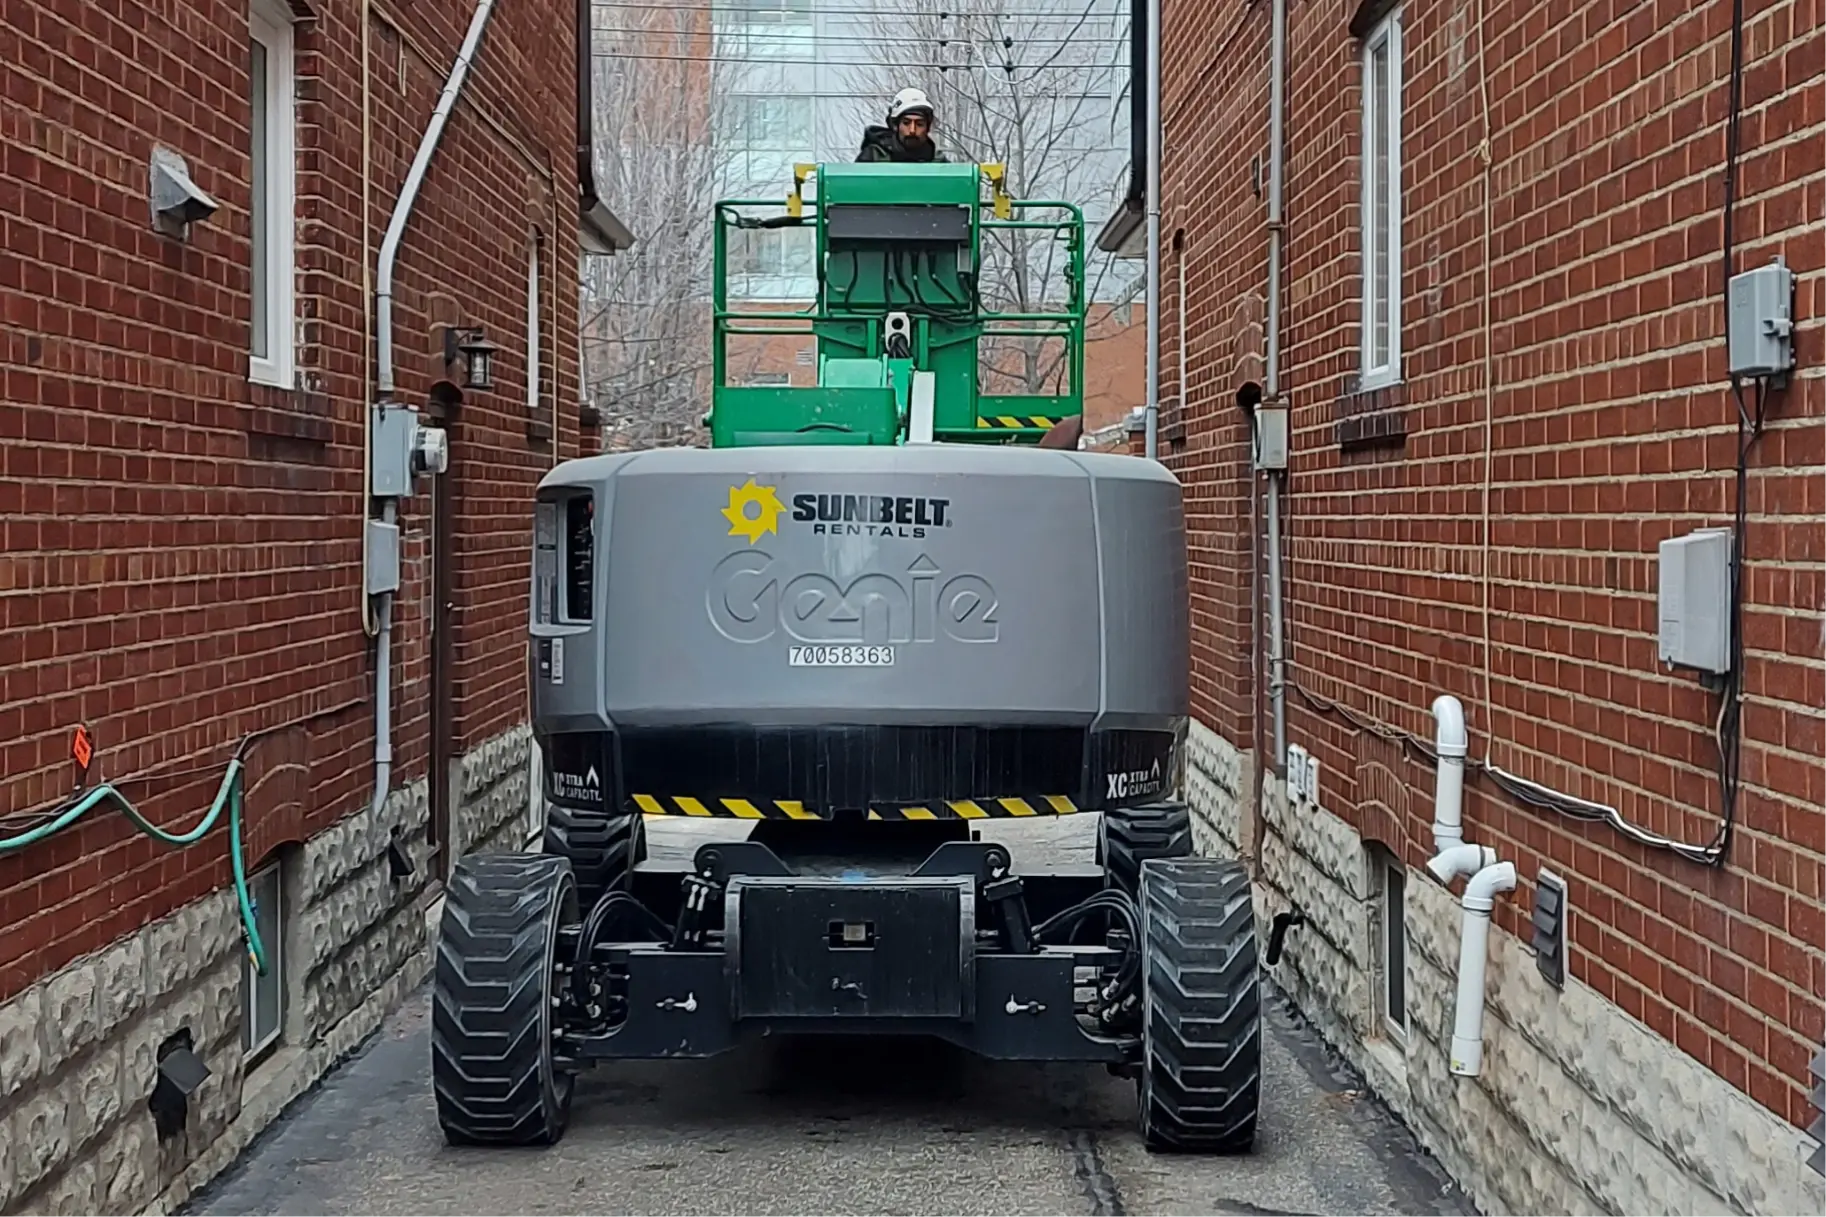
{"x":754,"y":511}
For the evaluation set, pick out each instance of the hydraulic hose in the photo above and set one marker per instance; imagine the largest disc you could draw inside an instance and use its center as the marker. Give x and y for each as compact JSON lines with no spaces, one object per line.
{"x":228,"y":799}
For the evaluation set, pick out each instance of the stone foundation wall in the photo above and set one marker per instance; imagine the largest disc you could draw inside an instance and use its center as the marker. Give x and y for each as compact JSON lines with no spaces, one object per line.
{"x":1579,"y":1107}
{"x":78,"y":1050}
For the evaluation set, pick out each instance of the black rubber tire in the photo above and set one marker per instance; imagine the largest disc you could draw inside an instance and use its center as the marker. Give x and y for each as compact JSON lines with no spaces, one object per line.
{"x":492,"y":1065}
{"x":1131,"y":835}
{"x":1201,"y":1077}
{"x":603,"y":849}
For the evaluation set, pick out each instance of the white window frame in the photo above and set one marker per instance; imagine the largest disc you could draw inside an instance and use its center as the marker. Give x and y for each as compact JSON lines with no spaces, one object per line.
{"x":534,"y":339}
{"x":1390,"y":920}
{"x":257,"y":1041}
{"x":270,"y":24}
{"x":1383,"y":111}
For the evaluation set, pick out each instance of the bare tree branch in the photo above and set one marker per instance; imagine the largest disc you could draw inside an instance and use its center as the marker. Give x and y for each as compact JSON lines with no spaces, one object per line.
{"x":647,"y":337}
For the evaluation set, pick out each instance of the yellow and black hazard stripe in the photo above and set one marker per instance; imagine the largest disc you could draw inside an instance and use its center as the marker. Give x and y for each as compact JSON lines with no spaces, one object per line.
{"x":1015,"y":422}
{"x":723,"y":809}
{"x":1010,"y":808}
{"x":997,"y":808}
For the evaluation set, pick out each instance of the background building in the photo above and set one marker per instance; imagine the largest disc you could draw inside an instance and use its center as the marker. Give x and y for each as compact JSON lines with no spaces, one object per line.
{"x":1504,"y":354}
{"x":182,"y":436}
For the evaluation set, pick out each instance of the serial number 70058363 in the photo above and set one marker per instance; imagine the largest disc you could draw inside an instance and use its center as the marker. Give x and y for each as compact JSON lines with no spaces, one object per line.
{"x":840,"y":657}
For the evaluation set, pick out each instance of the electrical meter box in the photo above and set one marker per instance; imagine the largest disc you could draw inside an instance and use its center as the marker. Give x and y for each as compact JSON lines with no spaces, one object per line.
{"x":1695,"y":600}
{"x":1760,"y":327}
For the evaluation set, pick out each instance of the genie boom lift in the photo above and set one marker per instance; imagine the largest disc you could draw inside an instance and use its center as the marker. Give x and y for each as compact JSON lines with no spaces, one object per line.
{"x":860,"y":638}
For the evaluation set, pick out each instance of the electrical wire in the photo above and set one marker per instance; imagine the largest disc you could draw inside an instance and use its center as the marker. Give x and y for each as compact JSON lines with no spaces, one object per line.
{"x":1522,"y":790}
{"x":1040,"y":10}
{"x":836,"y":63}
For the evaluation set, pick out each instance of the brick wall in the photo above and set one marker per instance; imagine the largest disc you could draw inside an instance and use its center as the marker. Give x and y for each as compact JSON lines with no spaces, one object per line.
{"x":1605,"y":426}
{"x":181,"y":548}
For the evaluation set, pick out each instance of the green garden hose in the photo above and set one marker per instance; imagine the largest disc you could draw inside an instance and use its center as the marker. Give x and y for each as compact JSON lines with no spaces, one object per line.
{"x":228,"y":797}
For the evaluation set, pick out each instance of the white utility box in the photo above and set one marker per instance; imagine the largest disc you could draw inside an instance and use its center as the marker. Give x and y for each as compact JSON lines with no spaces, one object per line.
{"x":1695,"y":600}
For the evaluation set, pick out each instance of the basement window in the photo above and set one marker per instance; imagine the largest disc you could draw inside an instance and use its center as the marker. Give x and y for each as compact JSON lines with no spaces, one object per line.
{"x":272,"y":193}
{"x":1380,"y":186}
{"x":263,"y":997}
{"x":1389,"y":924}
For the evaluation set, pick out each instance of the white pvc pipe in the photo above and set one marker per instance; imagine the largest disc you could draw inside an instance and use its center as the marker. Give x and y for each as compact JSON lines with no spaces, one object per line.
{"x":1452,"y":744}
{"x":1473,"y":951}
{"x":1458,"y":861}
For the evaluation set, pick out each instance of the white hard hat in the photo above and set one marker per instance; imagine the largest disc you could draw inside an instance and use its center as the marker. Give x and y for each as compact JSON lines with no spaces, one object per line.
{"x":908,"y":101}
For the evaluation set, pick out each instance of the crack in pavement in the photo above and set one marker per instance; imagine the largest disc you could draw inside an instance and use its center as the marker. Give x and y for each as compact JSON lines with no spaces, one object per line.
{"x":1095,"y":1180}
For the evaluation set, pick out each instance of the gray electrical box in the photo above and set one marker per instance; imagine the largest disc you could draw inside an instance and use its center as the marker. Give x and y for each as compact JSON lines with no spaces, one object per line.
{"x":390,"y":473}
{"x":1760,"y":324}
{"x":1695,"y":600}
{"x":1271,"y":438}
{"x":382,"y":575}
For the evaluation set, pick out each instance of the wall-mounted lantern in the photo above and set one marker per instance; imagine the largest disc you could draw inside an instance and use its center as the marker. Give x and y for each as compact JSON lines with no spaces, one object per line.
{"x":478,"y":356}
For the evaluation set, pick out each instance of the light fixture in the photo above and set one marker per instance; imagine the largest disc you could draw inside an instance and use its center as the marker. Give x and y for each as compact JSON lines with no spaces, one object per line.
{"x":478,"y":355}
{"x":478,"y":361}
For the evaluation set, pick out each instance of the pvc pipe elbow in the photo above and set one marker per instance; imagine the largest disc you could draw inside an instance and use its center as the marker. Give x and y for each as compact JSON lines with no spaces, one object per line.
{"x":1457,"y":861}
{"x":1483,"y":887}
{"x":1449,"y":720}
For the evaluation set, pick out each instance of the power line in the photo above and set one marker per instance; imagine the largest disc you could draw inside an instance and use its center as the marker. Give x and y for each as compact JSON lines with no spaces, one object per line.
{"x":1041,"y":10}
{"x":857,"y":63}
{"x":814,"y":36}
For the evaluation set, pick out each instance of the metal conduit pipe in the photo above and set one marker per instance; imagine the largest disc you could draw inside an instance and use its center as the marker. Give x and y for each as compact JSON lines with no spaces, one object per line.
{"x":384,"y":385}
{"x":1277,"y":108}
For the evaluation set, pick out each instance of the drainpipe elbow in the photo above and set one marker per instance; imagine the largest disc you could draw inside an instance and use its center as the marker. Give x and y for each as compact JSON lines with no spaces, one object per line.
{"x":1459,"y":861}
{"x":1449,"y":718}
{"x":1486,"y":885}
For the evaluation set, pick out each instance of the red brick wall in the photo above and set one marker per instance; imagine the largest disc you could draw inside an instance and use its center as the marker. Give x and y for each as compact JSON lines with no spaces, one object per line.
{"x":1611,"y":428}
{"x":181,"y":549}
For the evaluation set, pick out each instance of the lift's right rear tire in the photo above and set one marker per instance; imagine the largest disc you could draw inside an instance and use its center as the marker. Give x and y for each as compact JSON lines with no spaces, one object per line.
{"x":493,"y":1068}
{"x":1130,"y":836}
{"x":603,"y":849}
{"x":1201,"y":1073}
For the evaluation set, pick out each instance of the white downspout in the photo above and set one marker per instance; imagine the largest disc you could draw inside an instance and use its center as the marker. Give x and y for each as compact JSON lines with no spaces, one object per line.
{"x":383,"y":349}
{"x":1452,"y":744}
{"x":1473,"y":950}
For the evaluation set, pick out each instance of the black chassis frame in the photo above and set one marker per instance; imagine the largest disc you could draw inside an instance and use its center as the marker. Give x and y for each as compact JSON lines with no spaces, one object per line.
{"x":996,"y":993}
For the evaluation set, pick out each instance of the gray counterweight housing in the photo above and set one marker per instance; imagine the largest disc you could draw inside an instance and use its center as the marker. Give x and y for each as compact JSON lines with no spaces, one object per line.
{"x":853,"y":626}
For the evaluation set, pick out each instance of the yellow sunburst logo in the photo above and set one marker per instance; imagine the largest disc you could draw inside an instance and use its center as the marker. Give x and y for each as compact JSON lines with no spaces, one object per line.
{"x":752,"y":511}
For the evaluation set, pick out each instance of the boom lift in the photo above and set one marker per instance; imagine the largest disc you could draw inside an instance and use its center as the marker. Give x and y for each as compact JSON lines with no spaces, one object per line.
{"x":871,"y":629}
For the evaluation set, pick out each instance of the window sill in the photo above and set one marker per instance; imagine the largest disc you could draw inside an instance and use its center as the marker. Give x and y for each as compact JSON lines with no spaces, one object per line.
{"x":287,"y":414}
{"x":1371,"y":417}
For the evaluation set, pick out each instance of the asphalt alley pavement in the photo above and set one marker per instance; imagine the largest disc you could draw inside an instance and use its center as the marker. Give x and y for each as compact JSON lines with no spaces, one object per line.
{"x":816,"y":1126}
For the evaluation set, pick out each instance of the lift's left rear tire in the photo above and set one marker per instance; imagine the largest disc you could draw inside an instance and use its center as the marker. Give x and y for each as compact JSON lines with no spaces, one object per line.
{"x":1201,"y":1073}
{"x":493,"y":1068}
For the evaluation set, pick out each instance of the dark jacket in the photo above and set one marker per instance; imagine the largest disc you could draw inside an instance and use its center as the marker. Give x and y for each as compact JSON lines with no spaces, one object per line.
{"x":882,"y":144}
